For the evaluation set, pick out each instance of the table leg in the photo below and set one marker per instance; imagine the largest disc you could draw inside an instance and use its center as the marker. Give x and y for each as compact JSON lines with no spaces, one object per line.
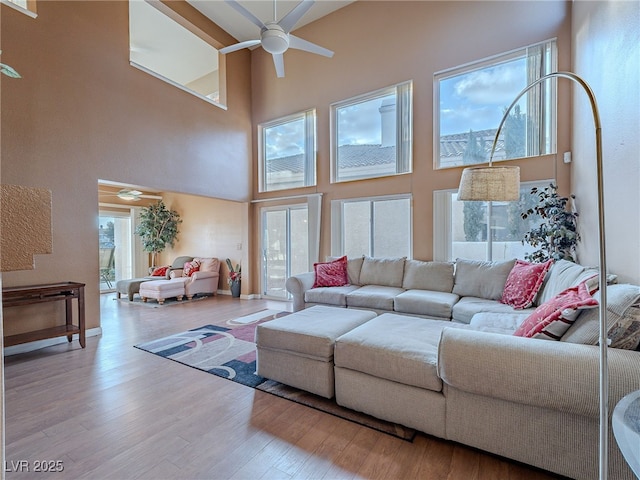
{"x":68,"y":304}
{"x":81,"y":316}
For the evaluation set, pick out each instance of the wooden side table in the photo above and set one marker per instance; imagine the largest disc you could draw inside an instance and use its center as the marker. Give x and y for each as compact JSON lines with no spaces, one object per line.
{"x":626,"y":429}
{"x":54,"y":292}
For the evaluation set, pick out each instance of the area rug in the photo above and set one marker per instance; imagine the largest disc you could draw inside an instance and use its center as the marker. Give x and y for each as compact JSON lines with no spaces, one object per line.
{"x":229,"y":351}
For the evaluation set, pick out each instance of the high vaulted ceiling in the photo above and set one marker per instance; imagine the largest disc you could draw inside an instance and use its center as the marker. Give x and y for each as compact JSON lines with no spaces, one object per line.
{"x":242,"y":29}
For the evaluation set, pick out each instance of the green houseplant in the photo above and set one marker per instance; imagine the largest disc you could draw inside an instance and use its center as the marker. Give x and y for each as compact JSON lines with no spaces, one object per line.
{"x":158,"y":228}
{"x":557,"y":236}
{"x":234,"y":278}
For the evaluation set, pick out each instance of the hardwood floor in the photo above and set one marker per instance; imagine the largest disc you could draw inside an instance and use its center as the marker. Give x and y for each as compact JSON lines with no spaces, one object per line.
{"x":112,"y":411}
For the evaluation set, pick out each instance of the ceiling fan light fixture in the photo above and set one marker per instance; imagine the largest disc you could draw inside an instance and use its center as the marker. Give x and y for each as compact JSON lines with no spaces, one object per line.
{"x":132,"y":195}
{"x":274,"y":39}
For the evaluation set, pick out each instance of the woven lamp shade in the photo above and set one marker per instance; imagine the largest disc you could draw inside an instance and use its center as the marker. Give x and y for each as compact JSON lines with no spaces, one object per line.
{"x":498,"y":184}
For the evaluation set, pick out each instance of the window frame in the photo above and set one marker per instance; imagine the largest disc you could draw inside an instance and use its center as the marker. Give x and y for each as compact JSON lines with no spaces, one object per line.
{"x":193,"y":34}
{"x":404,"y":129}
{"x":310,"y":149}
{"x":337,"y":222}
{"x":30,"y":9}
{"x":546,"y":102}
{"x":443,"y":237}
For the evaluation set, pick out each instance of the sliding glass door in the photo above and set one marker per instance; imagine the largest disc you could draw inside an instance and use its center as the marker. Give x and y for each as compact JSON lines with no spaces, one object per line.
{"x":115,"y":248}
{"x":285,"y":247}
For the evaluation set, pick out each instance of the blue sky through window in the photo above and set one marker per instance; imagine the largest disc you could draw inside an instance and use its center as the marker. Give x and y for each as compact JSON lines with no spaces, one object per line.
{"x":476,"y":100}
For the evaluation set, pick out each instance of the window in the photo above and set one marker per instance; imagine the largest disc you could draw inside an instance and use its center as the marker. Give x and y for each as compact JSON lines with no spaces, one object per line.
{"x":372,"y":134}
{"x":379,"y":227}
{"x":473,"y":98}
{"x":287,"y":152}
{"x":483,"y":230}
{"x":285,"y":247}
{"x":27,"y":7}
{"x":168,"y":50}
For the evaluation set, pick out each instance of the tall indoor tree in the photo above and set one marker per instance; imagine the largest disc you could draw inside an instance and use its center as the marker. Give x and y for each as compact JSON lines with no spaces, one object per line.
{"x":158,"y":228}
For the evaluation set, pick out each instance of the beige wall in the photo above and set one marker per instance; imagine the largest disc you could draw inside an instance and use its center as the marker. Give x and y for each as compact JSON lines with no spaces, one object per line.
{"x":378,"y":44}
{"x":82,"y":113}
{"x":210,"y":228}
{"x":607,"y":55}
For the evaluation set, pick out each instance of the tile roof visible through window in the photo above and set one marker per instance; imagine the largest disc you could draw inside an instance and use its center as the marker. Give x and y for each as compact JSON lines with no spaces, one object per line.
{"x":367,"y":156}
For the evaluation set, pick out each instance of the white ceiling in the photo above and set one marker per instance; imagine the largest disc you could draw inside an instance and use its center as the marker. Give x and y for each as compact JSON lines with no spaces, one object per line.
{"x":242,"y":29}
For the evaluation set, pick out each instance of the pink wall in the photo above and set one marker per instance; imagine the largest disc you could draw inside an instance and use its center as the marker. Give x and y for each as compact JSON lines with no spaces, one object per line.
{"x":82,"y":113}
{"x":378,"y":44}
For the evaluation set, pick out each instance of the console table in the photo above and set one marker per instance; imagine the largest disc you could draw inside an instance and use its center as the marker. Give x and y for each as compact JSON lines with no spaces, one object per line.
{"x":54,"y":292}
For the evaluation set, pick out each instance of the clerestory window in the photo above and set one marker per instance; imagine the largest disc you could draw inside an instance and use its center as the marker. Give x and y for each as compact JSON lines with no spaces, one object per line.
{"x":472,"y":99}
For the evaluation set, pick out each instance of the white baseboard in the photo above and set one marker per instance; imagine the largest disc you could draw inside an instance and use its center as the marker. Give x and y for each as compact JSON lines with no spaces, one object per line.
{"x":37,"y":345}
{"x":251,"y":296}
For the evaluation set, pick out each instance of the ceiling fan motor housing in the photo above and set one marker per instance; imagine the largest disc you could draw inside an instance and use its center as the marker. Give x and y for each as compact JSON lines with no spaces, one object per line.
{"x":274,"y":39}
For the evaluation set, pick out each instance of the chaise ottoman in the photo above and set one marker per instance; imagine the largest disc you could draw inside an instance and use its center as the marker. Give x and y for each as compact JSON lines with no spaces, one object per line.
{"x":162,"y":289}
{"x":297,"y":350}
{"x":387,"y":368}
{"x":129,"y":286}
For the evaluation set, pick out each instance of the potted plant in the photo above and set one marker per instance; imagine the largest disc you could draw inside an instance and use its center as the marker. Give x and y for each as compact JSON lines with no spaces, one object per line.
{"x":234,"y":278}
{"x":158,"y":228}
{"x":557,"y":236}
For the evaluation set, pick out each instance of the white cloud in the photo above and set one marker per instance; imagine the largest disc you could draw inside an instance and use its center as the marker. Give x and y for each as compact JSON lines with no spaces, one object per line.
{"x":498,"y":85}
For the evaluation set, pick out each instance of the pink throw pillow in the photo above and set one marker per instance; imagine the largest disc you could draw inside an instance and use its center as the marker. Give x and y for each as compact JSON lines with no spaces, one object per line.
{"x":331,"y":274}
{"x":190,"y":268}
{"x":160,"y":271}
{"x":523,"y":283}
{"x":553,"y":318}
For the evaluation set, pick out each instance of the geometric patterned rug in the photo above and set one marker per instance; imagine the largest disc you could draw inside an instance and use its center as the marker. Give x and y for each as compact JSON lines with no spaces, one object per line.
{"x":229,"y":351}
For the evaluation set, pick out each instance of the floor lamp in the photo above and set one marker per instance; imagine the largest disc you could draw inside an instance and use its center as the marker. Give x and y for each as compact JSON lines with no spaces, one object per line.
{"x":503,"y":184}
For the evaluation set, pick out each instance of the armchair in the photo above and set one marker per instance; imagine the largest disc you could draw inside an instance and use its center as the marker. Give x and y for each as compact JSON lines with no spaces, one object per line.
{"x":204,"y":280}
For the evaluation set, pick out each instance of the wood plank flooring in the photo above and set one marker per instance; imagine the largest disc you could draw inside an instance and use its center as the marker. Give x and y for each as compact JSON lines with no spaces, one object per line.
{"x":112,"y":411}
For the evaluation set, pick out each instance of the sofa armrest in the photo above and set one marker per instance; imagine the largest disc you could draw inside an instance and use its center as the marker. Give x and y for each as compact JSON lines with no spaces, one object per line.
{"x":296,"y":285}
{"x":176,"y":272}
{"x":535,"y":372}
{"x":200,"y":275}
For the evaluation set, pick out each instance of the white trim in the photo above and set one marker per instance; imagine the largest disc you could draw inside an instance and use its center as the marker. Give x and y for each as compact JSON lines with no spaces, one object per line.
{"x":20,"y":9}
{"x":37,"y":345}
{"x":177,"y":85}
{"x":309,"y":177}
{"x":442,"y":225}
{"x":291,"y":197}
{"x":403,"y":92}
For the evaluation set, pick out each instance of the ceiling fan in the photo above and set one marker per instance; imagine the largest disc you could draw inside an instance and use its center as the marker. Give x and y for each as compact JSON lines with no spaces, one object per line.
{"x":275,"y":37}
{"x":130,"y":194}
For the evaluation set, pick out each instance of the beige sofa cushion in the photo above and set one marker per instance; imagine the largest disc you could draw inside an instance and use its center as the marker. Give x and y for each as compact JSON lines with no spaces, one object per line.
{"x":435,"y":276}
{"x":354,"y":265}
{"x":464,"y":310}
{"x":310,"y":332}
{"x":377,"y":297}
{"x":382,"y":271}
{"x":425,"y":302}
{"x":480,"y":279}
{"x":399,"y":348}
{"x":565,"y":274}
{"x":336,"y":296}
{"x":620,"y":300}
{"x":208,"y":264}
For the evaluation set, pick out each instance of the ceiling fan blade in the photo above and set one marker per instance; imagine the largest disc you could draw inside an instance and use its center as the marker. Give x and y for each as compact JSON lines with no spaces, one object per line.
{"x":278,"y":61}
{"x":290,"y":19}
{"x":245,"y":13}
{"x":300,"y":44}
{"x":239,"y":46}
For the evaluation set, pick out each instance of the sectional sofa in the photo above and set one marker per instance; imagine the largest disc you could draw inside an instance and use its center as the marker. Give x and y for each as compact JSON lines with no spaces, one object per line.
{"x":441,"y":356}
